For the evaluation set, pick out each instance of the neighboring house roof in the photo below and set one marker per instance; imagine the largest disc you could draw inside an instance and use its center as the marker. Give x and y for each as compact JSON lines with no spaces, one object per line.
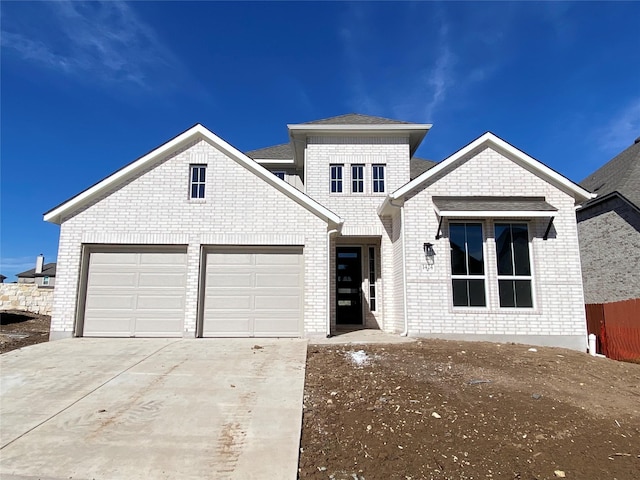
{"x":277,"y":152}
{"x":48,"y":270}
{"x":198,"y":131}
{"x":2,"y":278}
{"x":495,"y":142}
{"x":418,"y":166}
{"x":356,"y":119}
{"x":620,"y":175}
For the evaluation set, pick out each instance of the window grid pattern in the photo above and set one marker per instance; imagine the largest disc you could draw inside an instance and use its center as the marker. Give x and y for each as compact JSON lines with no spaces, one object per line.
{"x":514,"y":265}
{"x":198,"y":180}
{"x":372,"y":279}
{"x":378,"y":177}
{"x":467,"y":265}
{"x":357,"y":178}
{"x":336,"y":178}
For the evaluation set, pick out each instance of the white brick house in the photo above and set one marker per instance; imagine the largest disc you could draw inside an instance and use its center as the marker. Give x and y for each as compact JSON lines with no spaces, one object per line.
{"x":199,"y":239}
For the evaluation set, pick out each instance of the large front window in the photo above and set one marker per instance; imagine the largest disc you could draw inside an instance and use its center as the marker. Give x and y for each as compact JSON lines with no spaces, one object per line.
{"x":336,"y":178}
{"x":514,"y":267}
{"x":467,"y":265}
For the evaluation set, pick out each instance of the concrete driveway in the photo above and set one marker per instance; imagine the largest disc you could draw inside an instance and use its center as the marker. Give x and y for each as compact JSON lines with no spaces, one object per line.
{"x":152,"y":408}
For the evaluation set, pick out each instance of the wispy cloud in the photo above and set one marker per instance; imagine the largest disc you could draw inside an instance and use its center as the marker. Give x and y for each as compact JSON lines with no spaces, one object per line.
{"x":623,"y":128}
{"x":95,"y":42}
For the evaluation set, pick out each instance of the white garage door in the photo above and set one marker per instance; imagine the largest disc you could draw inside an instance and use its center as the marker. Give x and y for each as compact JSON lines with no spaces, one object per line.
{"x":135,"y":294}
{"x":252,"y":292}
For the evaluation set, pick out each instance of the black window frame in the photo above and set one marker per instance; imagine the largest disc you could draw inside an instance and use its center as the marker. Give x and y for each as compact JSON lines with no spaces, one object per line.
{"x":197,"y":181}
{"x":468,"y":278}
{"x":515,"y":276}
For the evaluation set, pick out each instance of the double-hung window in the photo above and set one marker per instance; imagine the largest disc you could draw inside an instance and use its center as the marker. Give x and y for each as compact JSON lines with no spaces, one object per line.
{"x":377,"y":172}
{"x":357,"y":178}
{"x":514,"y":266}
{"x":336,"y":178}
{"x":467,"y":265}
{"x":198,"y":180}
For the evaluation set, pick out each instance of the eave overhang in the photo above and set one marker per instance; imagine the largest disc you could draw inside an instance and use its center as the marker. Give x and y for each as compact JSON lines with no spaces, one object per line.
{"x":298,"y":134}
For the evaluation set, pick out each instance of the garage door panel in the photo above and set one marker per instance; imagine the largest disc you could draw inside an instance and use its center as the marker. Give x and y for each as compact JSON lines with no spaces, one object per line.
{"x":291,"y":280}
{"x":152,"y":279}
{"x":110,"y":278}
{"x":280,"y":259}
{"x":253,"y":292}
{"x":228,"y":281}
{"x":135,"y":294}
{"x":280,"y":302}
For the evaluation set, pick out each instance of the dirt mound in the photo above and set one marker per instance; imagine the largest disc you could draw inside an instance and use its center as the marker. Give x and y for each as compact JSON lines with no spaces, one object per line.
{"x":462,"y":410}
{"x":20,"y":329}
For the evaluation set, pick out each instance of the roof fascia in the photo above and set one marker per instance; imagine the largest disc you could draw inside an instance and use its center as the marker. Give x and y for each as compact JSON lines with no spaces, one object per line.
{"x":55,"y":215}
{"x":415,"y":131}
{"x":494,"y":213}
{"x":550,"y":175}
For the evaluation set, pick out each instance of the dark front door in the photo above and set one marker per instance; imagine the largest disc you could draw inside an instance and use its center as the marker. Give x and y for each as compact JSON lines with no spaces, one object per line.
{"x":348,"y":286}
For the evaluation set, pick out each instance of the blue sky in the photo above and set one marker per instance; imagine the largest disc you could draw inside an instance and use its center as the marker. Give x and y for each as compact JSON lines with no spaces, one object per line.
{"x":89,"y":87}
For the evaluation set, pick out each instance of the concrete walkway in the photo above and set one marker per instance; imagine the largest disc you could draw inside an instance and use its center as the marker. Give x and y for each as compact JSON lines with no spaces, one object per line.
{"x":361,"y":336}
{"x":152,"y":409}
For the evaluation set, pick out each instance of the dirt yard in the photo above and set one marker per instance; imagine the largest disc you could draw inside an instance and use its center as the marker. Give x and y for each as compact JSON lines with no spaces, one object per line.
{"x":20,"y":329}
{"x":457,"y":410}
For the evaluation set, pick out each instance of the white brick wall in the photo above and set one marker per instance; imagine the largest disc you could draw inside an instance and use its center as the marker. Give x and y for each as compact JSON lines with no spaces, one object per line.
{"x":559,"y":306}
{"x":154,"y":208}
{"x":362,"y":225}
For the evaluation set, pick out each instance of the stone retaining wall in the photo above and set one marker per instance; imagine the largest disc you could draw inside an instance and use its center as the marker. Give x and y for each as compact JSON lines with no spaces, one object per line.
{"x":26,"y":297}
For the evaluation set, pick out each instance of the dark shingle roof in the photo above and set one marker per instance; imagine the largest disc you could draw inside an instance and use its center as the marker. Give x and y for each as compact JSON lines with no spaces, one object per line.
{"x":418,"y":166}
{"x":277,"y":152}
{"x":621,"y":174}
{"x":356,"y":119}
{"x":507,"y":204}
{"x":48,"y":270}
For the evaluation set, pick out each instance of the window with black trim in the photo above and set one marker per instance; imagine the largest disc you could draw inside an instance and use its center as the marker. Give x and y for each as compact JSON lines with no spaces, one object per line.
{"x":357,"y":178}
{"x":514,"y":265}
{"x":198,"y":180}
{"x":336,"y":178}
{"x":279,"y":174}
{"x":467,"y":265}
{"x":377,"y":174}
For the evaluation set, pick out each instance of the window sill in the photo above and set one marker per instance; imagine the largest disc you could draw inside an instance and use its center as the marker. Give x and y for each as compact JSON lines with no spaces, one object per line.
{"x":197,"y":200}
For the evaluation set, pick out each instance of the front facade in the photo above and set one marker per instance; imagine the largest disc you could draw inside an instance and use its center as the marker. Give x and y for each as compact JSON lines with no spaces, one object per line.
{"x":197,"y":239}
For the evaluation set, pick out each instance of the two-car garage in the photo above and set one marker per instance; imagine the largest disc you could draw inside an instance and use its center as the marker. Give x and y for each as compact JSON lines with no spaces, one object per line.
{"x":142,"y":292}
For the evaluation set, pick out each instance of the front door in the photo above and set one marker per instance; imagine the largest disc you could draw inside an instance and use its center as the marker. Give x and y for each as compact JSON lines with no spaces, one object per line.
{"x":348,"y":285}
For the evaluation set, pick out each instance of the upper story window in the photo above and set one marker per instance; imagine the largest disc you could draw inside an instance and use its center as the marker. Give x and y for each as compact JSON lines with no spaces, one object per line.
{"x":198,"y":180}
{"x":514,"y":266}
{"x":357,"y":178}
{"x":45,"y":280}
{"x":336,"y":178}
{"x":467,"y":265}
{"x":378,"y":178}
{"x":279,"y":174}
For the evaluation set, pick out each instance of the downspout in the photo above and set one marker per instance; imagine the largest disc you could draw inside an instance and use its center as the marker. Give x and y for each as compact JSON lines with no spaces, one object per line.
{"x":404,"y":269}
{"x":329,"y":233}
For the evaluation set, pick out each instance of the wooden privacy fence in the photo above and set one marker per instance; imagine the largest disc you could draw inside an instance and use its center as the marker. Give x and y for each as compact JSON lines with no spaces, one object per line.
{"x":617,"y":328}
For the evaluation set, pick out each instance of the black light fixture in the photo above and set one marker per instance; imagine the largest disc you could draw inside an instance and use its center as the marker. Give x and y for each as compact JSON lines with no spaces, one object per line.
{"x":429,"y":253}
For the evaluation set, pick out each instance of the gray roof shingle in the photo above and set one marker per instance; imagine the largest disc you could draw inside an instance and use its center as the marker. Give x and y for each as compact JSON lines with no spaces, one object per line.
{"x":48,"y":270}
{"x":277,"y":152}
{"x":356,"y":119}
{"x":507,"y":204}
{"x":418,"y":166}
{"x":621,"y":174}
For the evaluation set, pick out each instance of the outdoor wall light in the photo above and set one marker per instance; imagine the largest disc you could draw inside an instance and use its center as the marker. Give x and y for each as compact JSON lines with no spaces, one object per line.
{"x":429,"y":253}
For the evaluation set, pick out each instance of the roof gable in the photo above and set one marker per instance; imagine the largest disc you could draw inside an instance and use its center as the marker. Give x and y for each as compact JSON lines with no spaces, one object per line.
{"x":510,"y":152}
{"x":196,"y":132}
{"x":621,"y":174}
